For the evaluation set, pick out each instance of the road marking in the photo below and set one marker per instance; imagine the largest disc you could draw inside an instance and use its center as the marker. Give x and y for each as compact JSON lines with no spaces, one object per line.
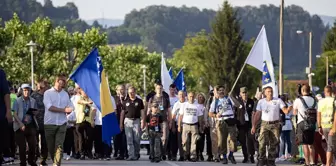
{"x":171,"y":163}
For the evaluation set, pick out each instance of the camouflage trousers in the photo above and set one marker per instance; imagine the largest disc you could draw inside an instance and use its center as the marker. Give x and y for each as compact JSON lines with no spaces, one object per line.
{"x":269,"y":136}
{"x":226,"y":136}
{"x":155,"y":144}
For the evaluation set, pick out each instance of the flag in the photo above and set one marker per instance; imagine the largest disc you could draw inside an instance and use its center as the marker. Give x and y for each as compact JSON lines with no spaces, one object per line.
{"x":165,"y":77}
{"x":179,"y":81}
{"x":260,"y":58}
{"x":91,"y":77}
{"x":210,"y":88}
{"x":171,"y":73}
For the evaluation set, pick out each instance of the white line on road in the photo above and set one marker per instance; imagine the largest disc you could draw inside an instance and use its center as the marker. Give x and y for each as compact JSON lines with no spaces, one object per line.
{"x":171,"y":163}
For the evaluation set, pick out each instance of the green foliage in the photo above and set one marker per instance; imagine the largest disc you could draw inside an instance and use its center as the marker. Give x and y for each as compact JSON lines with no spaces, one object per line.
{"x":124,"y":64}
{"x":58,"y":51}
{"x":216,"y":58}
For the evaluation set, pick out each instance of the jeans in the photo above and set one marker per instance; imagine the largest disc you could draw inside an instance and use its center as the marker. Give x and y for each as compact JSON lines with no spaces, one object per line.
{"x":285,"y":139}
{"x":132,"y":131}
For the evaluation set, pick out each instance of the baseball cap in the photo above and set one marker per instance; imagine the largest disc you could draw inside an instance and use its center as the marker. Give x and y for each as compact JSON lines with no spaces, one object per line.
{"x":243,"y":89}
{"x":24,"y":86}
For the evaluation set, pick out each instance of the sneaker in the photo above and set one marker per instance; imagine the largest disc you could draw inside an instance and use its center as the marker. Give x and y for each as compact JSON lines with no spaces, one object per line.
{"x":225,"y":160}
{"x":64,"y":156}
{"x":282,"y":158}
{"x":252,"y":159}
{"x":232,"y":159}
{"x":67,"y":158}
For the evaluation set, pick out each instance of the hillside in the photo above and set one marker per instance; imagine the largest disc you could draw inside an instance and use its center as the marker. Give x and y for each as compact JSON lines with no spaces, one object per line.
{"x":105,"y":22}
{"x":163,"y":28}
{"x":328,"y":20}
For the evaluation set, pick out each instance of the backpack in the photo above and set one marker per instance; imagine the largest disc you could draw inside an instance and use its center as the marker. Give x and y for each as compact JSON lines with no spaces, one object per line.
{"x":310,"y":117}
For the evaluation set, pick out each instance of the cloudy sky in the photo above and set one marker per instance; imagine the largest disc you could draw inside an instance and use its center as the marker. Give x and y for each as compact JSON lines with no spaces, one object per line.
{"x":91,"y":9}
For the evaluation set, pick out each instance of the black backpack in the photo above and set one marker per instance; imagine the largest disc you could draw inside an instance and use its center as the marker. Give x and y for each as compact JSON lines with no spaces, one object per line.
{"x":310,"y":116}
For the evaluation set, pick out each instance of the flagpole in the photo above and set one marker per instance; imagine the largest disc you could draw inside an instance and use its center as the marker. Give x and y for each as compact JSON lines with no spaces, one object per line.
{"x":241,"y":71}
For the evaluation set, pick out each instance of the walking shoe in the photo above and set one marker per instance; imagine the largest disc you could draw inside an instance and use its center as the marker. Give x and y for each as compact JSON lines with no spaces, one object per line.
{"x":232,"y":159}
{"x":181,"y":159}
{"x":32,"y":164}
{"x":252,"y":159}
{"x":261,"y":163}
{"x":225,"y":161}
{"x":270,"y":162}
{"x":209,"y":158}
{"x":217,"y":160}
{"x":120,"y":158}
{"x":82,"y":157}
{"x":43,"y":163}
{"x":164,"y":157}
{"x":201,"y":157}
{"x":193,"y":159}
{"x":152,"y":160}
{"x":157,"y":160}
{"x":67,"y":158}
{"x":173,"y":158}
{"x":245,"y":160}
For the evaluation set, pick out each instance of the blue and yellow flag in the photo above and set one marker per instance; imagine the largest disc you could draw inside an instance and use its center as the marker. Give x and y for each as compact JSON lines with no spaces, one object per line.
{"x":91,"y":77}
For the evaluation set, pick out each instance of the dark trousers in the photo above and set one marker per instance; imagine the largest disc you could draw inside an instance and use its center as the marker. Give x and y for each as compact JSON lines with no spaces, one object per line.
{"x":101,"y":149}
{"x":175,"y":139}
{"x":86,"y":132}
{"x":120,"y":144}
{"x":3,"y":137}
{"x":319,"y":151}
{"x":43,"y":152}
{"x":22,"y":138}
{"x":69,"y":143}
{"x":10,"y":150}
{"x":246,"y":140}
{"x":201,"y":142}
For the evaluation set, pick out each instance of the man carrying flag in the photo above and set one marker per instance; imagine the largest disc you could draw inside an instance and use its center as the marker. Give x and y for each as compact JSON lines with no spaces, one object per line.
{"x":91,"y":77}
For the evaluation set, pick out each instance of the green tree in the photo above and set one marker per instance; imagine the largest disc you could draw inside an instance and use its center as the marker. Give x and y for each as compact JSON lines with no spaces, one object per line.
{"x":124,"y":65}
{"x":226,"y":47}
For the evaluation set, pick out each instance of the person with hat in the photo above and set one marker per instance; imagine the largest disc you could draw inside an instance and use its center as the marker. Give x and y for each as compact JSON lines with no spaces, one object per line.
{"x":243,"y":113}
{"x":25,"y":125}
{"x":154,"y":121}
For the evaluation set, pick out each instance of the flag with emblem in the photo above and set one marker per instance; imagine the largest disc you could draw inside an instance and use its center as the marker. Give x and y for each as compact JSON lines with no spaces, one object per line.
{"x":171,"y":73}
{"x":90,"y":76}
{"x":260,"y":58}
{"x":179,"y":81}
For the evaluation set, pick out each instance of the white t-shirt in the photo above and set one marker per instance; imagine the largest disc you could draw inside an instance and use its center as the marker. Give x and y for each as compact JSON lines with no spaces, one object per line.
{"x":173,"y":100}
{"x":270,"y":109}
{"x":298,"y":105}
{"x":176,"y":110}
{"x":224,"y":107}
{"x":190,"y":113}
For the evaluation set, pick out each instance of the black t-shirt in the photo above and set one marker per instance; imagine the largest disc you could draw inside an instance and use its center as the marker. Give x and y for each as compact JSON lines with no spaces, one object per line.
{"x":154,"y":122}
{"x":4,"y":89}
{"x":133,"y":108}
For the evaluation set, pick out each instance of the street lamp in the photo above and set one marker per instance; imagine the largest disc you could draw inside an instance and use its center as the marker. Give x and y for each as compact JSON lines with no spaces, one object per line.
{"x":31,"y":46}
{"x":309,"y":70}
{"x":327,"y":67}
{"x":144,"y":79}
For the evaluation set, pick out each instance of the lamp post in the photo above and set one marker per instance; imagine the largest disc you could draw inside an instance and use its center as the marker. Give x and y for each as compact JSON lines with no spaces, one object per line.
{"x":327,"y":67}
{"x":144,"y":79}
{"x":31,"y":46}
{"x":309,"y":70}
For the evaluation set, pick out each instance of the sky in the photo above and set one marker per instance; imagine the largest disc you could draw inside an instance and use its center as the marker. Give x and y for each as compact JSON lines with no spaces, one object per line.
{"x":117,"y":9}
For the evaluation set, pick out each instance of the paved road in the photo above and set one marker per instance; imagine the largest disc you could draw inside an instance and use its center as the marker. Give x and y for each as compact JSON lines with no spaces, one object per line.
{"x":145,"y":162}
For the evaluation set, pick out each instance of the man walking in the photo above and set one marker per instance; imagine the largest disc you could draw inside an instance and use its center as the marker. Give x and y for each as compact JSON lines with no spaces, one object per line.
{"x":269,"y":110}
{"x":57,"y":104}
{"x":325,"y":120}
{"x":38,"y":96}
{"x":244,"y":116}
{"x":190,"y":117}
{"x":130,"y":120}
{"x":5,"y":113}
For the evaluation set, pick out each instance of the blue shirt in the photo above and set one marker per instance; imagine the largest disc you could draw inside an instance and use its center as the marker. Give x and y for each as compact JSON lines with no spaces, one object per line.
{"x":4,"y":89}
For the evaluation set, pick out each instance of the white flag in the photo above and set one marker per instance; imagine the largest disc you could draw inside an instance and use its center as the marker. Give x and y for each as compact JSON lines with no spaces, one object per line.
{"x":260,"y":58}
{"x":165,"y":76}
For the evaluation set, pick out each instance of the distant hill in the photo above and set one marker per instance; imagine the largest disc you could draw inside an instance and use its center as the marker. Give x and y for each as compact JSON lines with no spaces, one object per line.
{"x":328,"y":20}
{"x":106,"y":22}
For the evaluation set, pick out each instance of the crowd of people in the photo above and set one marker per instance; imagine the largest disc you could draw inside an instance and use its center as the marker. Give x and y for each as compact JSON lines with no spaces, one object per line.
{"x":63,"y":123}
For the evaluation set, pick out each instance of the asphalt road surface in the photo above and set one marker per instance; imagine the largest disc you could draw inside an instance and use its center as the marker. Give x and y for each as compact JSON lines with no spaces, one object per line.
{"x":144,"y":161}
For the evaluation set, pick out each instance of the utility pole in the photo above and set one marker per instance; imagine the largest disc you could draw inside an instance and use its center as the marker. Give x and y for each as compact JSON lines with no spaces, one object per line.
{"x":281,"y":49}
{"x":310,"y":77}
{"x":327,"y":70}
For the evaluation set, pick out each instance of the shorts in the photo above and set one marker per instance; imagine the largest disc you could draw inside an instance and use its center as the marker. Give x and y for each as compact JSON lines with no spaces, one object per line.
{"x":331,"y":141}
{"x":304,"y":137}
